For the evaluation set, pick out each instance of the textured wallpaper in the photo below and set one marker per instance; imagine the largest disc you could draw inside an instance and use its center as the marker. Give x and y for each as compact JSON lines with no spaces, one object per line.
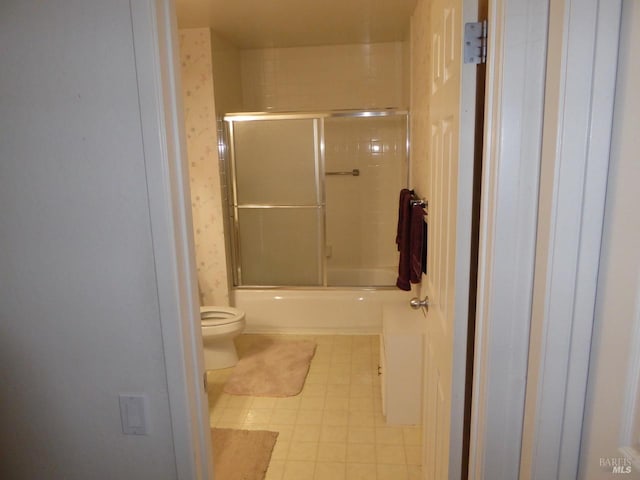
{"x":202,"y":152}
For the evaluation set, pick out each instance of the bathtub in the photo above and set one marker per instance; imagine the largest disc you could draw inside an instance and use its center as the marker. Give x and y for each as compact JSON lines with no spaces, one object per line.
{"x":316,"y":310}
{"x":345,"y":277}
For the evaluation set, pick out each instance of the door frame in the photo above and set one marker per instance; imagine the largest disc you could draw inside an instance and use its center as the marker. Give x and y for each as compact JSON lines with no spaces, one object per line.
{"x":513,"y":119}
{"x":512,"y":146}
{"x":535,"y":315}
{"x":156,"y":46}
{"x":581,"y":75}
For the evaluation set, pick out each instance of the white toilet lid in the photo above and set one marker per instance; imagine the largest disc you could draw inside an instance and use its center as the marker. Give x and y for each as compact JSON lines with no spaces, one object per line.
{"x":214,"y":316}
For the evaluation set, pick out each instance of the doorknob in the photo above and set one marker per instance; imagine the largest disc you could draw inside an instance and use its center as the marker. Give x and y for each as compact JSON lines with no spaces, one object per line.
{"x":416,"y":303}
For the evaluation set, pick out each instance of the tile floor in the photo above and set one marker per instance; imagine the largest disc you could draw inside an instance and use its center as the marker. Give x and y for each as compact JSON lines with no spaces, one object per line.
{"x":334,"y":429}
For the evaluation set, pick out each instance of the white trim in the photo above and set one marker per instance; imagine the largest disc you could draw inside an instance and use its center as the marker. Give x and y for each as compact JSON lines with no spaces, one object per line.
{"x":511,"y":158}
{"x":463,"y":246}
{"x":578,"y":115}
{"x":629,"y":433}
{"x":156,"y":58}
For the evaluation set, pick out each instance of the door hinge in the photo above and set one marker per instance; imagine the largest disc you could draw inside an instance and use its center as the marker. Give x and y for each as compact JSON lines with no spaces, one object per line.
{"x":475,"y":42}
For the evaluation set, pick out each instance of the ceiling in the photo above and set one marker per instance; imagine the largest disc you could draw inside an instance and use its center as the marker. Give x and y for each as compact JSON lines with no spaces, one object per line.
{"x":296,"y":23}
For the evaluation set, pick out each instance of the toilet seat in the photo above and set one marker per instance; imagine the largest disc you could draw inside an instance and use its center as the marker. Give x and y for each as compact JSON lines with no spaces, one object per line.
{"x":218,"y":316}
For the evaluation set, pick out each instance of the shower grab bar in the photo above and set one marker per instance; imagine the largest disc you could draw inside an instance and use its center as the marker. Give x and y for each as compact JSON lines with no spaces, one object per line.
{"x":355,"y":173}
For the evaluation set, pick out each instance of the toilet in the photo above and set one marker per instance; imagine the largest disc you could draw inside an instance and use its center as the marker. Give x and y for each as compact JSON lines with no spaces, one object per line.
{"x":220,"y":325}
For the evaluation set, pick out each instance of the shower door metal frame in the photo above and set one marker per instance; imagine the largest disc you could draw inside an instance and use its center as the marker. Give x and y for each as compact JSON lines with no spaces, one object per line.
{"x":319,"y":147}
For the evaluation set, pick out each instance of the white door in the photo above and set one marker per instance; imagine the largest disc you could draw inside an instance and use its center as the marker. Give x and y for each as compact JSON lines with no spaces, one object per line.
{"x":449,"y":195}
{"x":611,"y":432}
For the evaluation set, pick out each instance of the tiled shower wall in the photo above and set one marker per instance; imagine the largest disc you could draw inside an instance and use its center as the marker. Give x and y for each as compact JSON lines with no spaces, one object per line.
{"x":202,"y":153}
{"x":227,"y":75}
{"x":330,"y":77}
{"x":362,"y":211}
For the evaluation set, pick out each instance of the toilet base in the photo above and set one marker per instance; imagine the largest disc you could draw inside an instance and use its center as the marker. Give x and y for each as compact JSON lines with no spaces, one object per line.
{"x":220,"y":353}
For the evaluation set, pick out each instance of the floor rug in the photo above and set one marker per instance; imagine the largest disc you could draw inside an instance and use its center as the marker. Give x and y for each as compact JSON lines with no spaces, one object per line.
{"x":276,"y":370}
{"x":241,"y":454}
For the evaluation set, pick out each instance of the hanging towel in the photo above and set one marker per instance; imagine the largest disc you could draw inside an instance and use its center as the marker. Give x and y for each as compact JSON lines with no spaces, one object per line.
{"x":403,"y":240}
{"x":416,"y":243}
{"x":403,"y":215}
{"x":412,"y":243}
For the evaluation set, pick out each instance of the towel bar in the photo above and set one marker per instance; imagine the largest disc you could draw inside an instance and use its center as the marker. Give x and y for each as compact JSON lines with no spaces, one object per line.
{"x":355,"y":172}
{"x":419,"y":201}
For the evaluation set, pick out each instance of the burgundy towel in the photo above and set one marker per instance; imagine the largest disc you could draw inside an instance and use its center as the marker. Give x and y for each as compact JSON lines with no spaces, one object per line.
{"x":404,"y":209}
{"x":416,"y":243}
{"x":404,"y":273}
{"x":402,"y":239}
{"x":412,"y":246}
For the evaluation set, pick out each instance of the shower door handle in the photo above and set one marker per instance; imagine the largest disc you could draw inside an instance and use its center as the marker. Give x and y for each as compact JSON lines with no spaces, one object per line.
{"x":355,"y":173}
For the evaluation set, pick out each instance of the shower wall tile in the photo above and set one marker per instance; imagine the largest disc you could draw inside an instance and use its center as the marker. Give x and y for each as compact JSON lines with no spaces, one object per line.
{"x":202,"y":153}
{"x":362,"y":211}
{"x":325,"y":77}
{"x":227,"y":75}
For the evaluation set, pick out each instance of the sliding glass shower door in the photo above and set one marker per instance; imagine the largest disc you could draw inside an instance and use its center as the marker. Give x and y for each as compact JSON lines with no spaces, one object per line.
{"x":277,"y":201}
{"x":315,"y":197}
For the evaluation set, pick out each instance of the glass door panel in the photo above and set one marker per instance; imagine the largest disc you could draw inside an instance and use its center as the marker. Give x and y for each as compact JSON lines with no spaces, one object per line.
{"x":280,"y":246}
{"x":276,"y":162}
{"x":278,"y":211}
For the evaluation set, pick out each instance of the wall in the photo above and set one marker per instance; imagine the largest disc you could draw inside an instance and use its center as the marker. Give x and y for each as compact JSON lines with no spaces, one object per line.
{"x":202,"y":151}
{"x":227,"y":75}
{"x":324,"y":77}
{"x":79,"y":315}
{"x":419,"y":97}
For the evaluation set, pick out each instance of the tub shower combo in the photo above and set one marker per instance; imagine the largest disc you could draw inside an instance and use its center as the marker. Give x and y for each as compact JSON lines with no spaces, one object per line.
{"x":312,"y":202}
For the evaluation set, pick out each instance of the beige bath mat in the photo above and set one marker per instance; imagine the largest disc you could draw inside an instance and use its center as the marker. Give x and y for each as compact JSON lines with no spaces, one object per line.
{"x":241,"y":454}
{"x":277,"y":370}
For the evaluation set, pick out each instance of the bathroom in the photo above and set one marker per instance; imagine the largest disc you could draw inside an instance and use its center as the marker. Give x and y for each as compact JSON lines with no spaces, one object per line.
{"x":369,"y":84}
{"x":361,"y":212}
{"x":99,"y":304}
